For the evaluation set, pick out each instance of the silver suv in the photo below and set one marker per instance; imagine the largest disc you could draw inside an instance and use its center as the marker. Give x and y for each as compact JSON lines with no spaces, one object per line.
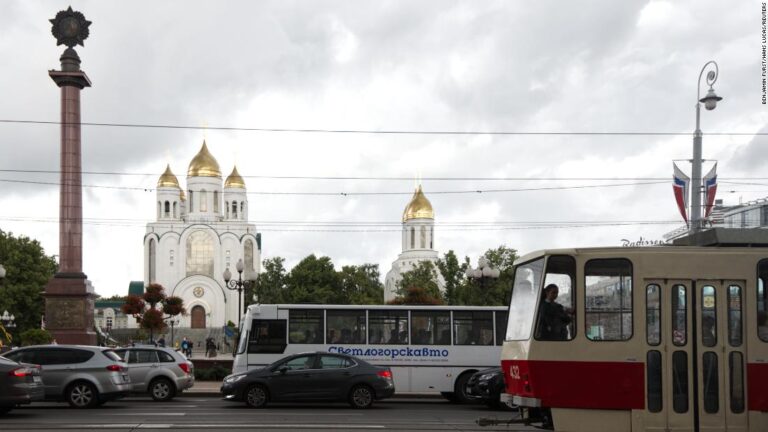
{"x":161,"y":372}
{"x":84,"y":376}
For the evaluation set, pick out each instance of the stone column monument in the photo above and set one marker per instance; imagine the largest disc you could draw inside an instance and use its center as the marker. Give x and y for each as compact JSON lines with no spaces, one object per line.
{"x":69,"y":296}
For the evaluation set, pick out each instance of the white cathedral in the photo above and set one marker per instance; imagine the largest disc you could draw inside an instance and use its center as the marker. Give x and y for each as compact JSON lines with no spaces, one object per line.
{"x":418,"y":239}
{"x":197,"y":236}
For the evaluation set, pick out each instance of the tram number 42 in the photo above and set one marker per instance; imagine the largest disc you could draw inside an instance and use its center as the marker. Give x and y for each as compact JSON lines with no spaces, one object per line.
{"x":514,"y":372}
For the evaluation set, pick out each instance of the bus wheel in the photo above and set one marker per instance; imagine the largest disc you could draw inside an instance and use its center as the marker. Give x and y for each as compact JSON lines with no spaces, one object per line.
{"x":460,"y":389}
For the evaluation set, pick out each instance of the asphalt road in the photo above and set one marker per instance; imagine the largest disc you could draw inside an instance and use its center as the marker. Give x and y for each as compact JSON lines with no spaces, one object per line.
{"x":206,"y":413}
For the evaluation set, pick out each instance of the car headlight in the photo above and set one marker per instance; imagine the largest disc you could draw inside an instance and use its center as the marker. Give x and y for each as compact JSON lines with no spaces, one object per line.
{"x":233,"y":379}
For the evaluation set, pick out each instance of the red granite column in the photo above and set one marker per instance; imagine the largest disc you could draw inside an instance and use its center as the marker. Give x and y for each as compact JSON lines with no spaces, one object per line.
{"x":69,"y":296}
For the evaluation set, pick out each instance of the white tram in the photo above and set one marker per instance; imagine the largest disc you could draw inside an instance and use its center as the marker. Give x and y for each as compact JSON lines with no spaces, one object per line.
{"x":647,"y":339}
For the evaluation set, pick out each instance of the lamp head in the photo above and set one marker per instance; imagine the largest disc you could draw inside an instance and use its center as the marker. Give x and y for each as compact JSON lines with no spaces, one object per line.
{"x":710,"y":100}
{"x":227,"y":275}
{"x":239,"y":266}
{"x":2,"y":271}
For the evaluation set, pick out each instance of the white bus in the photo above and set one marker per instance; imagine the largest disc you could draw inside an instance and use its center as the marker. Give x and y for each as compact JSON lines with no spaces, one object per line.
{"x":428,"y":348}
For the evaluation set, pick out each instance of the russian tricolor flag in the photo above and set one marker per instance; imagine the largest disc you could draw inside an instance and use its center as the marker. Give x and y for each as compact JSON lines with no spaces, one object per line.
{"x":680,"y":187}
{"x":710,"y":189}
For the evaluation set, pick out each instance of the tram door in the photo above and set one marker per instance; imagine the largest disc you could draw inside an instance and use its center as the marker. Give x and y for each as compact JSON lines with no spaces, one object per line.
{"x":695,"y":357}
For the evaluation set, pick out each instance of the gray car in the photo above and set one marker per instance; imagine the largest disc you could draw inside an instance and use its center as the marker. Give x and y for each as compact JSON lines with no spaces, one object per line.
{"x":161,"y":372}
{"x":19,"y":384}
{"x":83,"y":376}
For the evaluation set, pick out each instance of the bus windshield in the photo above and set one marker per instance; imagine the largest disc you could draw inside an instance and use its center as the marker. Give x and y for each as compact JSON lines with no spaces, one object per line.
{"x":522,"y":306}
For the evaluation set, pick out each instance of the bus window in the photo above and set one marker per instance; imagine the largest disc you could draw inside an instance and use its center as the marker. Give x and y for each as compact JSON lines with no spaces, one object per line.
{"x":501,"y":326}
{"x":431,"y":328}
{"x":653,"y":314}
{"x":305,"y":326}
{"x":267,"y":336}
{"x":472,"y":328}
{"x":762,"y":300}
{"x":608,"y":299}
{"x":708,"y":316}
{"x":734,"y":316}
{"x":388,"y":327}
{"x":679,"y":315}
{"x":345,"y":326}
{"x":556,"y":318}
{"x":522,"y":305}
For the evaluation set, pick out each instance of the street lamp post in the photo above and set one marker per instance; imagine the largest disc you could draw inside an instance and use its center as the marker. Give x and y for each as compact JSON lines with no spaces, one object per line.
{"x":484,"y":273}
{"x":710,"y":103}
{"x":240,"y":285}
{"x":173,"y":322}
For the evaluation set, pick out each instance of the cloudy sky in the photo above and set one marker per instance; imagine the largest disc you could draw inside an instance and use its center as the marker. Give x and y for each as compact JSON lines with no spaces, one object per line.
{"x":570,"y":71}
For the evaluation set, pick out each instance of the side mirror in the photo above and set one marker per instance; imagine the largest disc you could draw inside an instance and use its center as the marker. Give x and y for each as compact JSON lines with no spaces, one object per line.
{"x":283,"y":369}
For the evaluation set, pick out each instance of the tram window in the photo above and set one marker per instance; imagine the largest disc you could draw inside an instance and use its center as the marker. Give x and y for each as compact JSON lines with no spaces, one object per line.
{"x":708,"y":316}
{"x":430,"y":328}
{"x":472,"y":328}
{"x":267,"y":336}
{"x":679,"y":315}
{"x":710,"y":381}
{"x":653,"y":366}
{"x":762,"y":300}
{"x":388,"y":327}
{"x":345,"y":326}
{"x":556,"y":320}
{"x":736,"y":370}
{"x":608,"y":299}
{"x":305,"y":326}
{"x":501,"y":325}
{"x":653,"y":314}
{"x":734,"y":316}
{"x":680,"y":382}
{"x":522,"y":305}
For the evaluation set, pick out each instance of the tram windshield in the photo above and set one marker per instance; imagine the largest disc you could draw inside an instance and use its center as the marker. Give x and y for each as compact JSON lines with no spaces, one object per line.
{"x":522,"y":306}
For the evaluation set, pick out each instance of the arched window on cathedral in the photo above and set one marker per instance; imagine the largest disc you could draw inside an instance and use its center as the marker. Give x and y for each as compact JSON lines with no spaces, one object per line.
{"x":248,"y":260}
{"x":423,"y":238}
{"x":226,"y":208}
{"x":175,"y":210}
{"x":167,"y":209}
{"x":242,"y":209}
{"x":431,"y":237}
{"x":200,"y":254}
{"x":234,"y":209}
{"x":215,"y":201}
{"x":413,"y":238}
{"x":191,"y":202}
{"x":151,"y":264}
{"x":203,"y":201}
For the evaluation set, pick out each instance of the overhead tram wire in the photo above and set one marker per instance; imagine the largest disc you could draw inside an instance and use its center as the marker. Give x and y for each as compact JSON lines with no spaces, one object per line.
{"x":378,"y":132}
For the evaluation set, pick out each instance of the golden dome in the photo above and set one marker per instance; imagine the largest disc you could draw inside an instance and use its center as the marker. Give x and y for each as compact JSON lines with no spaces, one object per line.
{"x":182,"y":195}
{"x":168,"y":179}
{"x":234,"y":180}
{"x":419,"y":207}
{"x":204,"y":164}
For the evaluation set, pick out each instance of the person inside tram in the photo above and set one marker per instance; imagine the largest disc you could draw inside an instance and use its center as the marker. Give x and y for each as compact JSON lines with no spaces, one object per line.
{"x":708,"y":337}
{"x":553,"y":317}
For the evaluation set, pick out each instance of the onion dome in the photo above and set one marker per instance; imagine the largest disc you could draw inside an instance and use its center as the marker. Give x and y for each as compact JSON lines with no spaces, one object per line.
{"x":234,"y":180}
{"x":168,"y":179}
{"x":419,"y":207}
{"x":204,"y":164}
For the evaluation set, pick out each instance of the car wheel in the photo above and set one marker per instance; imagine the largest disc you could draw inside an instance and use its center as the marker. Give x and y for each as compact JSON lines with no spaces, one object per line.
{"x":460,"y":389}
{"x":256,"y":396}
{"x":361,"y":396}
{"x":82,"y":394}
{"x":5,"y":409}
{"x":161,"y":389}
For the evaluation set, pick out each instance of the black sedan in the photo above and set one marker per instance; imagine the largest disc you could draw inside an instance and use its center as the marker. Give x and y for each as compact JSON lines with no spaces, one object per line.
{"x":486,"y":386}
{"x":19,"y":384}
{"x":316,"y":376}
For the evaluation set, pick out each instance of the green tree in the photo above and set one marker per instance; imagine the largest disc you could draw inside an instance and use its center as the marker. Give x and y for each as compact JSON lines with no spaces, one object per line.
{"x":492,"y":292}
{"x":453,"y":273}
{"x":314,"y":280}
{"x":36,"y":337}
{"x":361,"y":284}
{"x":419,"y":286}
{"x":146,"y":312}
{"x":28,"y":269}
{"x":270,"y":287}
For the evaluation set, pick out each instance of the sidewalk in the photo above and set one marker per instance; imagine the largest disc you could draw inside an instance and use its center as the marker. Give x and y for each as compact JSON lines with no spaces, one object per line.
{"x":212,"y":388}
